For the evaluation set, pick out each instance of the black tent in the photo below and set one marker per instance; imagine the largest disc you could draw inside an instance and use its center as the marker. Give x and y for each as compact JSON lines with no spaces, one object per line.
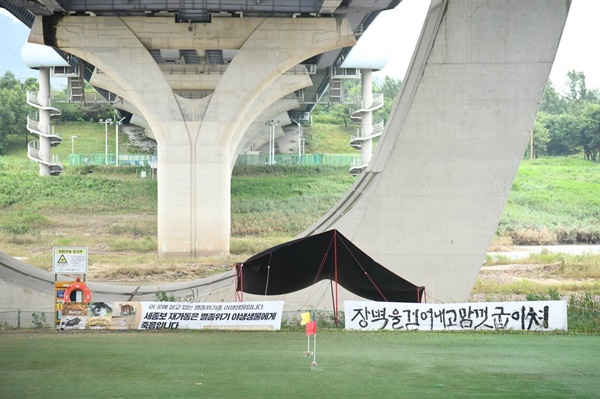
{"x":297,"y":264}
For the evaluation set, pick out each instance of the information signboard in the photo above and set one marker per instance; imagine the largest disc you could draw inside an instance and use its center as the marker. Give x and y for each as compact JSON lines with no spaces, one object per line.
{"x":69,"y":260}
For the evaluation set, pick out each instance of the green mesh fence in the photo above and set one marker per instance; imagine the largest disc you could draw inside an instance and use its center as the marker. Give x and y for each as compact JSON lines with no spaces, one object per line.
{"x":103,"y":159}
{"x":243,"y":159}
{"x":295,"y":159}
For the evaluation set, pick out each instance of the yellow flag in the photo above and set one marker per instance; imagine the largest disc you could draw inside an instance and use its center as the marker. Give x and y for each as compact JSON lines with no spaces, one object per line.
{"x":305,"y":317}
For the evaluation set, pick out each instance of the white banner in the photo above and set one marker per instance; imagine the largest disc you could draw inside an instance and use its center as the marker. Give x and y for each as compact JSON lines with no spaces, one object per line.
{"x":172,"y":315}
{"x":525,"y":316}
{"x":211,"y":315}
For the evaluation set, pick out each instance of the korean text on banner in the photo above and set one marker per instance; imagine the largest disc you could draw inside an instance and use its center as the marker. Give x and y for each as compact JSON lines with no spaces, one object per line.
{"x":524,"y":316}
{"x":311,"y":328}
{"x":305,"y":318}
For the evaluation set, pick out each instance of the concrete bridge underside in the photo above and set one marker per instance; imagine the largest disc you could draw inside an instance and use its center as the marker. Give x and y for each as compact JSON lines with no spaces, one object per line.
{"x":197,"y":138}
{"x":428,"y":205}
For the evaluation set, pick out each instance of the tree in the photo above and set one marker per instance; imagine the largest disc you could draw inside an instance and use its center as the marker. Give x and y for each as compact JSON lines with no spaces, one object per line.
{"x":577,"y":91}
{"x":552,"y":102}
{"x":390,"y":89}
{"x":13,"y":108}
{"x":541,"y":137}
{"x":589,"y":131}
{"x":9,"y":81}
{"x":562,"y":140}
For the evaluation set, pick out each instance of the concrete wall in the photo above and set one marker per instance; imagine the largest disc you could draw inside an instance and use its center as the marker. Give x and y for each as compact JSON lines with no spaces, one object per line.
{"x":429,"y":204}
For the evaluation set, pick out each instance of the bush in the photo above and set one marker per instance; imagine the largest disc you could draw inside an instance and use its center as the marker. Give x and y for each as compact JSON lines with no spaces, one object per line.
{"x":39,"y":321}
{"x":584,"y":313}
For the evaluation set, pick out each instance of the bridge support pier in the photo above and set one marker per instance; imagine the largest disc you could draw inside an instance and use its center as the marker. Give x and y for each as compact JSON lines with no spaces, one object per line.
{"x":443,"y":169}
{"x":196,"y":137}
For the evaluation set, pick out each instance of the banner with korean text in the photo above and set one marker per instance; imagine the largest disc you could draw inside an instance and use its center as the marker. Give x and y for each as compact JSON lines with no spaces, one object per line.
{"x":172,"y":315}
{"x":525,"y":316}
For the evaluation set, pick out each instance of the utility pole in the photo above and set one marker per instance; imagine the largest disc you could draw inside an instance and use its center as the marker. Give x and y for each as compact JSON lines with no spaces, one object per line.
{"x":120,"y":122}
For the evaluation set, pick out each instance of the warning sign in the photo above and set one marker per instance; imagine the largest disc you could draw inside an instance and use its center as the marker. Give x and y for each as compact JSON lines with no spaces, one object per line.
{"x":72,"y":260}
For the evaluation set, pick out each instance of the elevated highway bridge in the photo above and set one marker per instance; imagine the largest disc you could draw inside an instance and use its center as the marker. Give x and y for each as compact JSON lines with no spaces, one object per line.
{"x":427,"y":205}
{"x":358,"y":13}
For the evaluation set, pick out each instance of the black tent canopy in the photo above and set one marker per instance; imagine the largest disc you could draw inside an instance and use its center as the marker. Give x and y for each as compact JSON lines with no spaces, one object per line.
{"x":298,"y":264}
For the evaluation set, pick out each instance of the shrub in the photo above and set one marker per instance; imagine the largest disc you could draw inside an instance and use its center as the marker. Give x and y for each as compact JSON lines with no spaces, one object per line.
{"x":39,"y":321}
{"x":584,"y":313}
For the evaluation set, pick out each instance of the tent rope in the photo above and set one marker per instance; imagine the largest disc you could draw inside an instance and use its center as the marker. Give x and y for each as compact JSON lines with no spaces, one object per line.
{"x":323,"y":261}
{"x":268,"y":275}
{"x":365,"y":272}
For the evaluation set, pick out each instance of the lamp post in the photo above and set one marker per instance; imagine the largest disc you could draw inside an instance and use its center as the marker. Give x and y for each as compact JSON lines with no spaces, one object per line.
{"x":117,"y":124}
{"x":273,"y":124}
{"x":73,"y":143}
{"x":106,"y":122}
{"x":299,"y":139}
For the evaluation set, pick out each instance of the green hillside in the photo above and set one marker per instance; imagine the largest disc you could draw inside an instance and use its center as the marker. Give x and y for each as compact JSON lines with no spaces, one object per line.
{"x":113,"y":211}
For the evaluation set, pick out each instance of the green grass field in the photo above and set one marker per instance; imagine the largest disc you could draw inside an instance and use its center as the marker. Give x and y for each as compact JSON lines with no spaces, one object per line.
{"x":272,"y":365}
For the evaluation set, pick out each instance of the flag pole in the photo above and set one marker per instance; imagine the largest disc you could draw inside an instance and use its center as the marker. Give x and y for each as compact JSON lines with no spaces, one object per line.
{"x":314,"y":363}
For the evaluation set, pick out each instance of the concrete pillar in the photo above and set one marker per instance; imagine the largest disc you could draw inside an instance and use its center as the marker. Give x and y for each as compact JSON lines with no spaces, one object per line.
{"x":44,"y":120}
{"x":195,"y":138}
{"x":367,"y":117}
{"x":428,"y":205}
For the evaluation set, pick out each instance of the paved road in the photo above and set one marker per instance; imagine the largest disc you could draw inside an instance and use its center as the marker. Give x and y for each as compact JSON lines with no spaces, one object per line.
{"x":524,"y":251}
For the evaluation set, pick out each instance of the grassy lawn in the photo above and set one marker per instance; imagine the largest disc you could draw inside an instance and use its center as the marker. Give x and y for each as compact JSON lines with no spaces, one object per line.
{"x":272,"y":365}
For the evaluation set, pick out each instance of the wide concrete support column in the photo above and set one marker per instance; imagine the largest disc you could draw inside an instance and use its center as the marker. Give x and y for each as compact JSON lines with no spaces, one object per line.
{"x":428,"y":205}
{"x":194,"y":136}
{"x":44,"y":120}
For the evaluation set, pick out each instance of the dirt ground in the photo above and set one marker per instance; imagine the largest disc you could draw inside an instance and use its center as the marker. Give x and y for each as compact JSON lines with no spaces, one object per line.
{"x":102,"y":234}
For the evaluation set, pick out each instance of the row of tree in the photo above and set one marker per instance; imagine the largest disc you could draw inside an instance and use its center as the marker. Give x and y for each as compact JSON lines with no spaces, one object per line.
{"x":566,"y":124}
{"x":14,"y":108}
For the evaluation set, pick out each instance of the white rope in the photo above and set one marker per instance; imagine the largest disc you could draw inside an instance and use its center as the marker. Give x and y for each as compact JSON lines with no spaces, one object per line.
{"x":268,"y":274}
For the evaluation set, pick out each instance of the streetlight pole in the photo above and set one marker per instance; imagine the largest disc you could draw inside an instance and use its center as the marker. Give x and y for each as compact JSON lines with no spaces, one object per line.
{"x":273,"y":124}
{"x":299,"y":139}
{"x":73,"y":143}
{"x":106,"y":123}
{"x":120,"y":122}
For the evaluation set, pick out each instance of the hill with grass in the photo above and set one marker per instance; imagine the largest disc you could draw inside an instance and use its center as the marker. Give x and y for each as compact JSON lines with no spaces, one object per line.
{"x":112,"y":211}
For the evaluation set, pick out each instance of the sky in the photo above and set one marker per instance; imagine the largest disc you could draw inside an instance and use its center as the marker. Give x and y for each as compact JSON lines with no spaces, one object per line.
{"x":578,"y":49}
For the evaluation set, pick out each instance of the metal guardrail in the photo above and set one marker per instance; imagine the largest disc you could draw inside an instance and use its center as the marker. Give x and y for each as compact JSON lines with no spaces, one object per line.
{"x":375,"y":105}
{"x":377,"y":131}
{"x":33,"y":125}
{"x":33,"y":100}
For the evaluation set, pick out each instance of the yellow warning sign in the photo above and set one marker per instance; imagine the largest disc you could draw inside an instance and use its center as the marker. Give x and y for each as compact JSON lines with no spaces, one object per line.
{"x":62,"y":259}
